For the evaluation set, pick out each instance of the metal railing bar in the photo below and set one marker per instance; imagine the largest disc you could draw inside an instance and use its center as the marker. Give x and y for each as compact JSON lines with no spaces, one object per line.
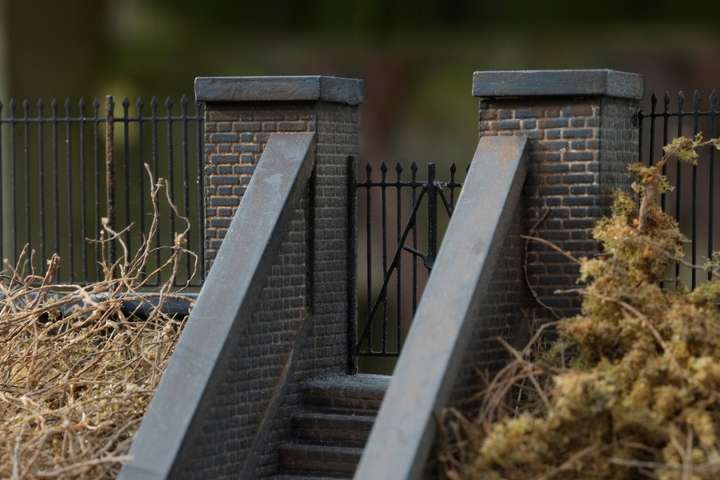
{"x":653,"y":102}
{"x":110,"y":170}
{"x":678,"y":178}
{"x":155,"y":166}
{"x":126,"y":168}
{"x":448,"y":206}
{"x":201,"y":189}
{"x":368,"y":248}
{"x":386,"y":281}
{"x":83,"y":194}
{"x":12,"y":178}
{"x":141,"y":170}
{"x":41,"y":185}
{"x":711,"y":193}
{"x":185,"y":178}
{"x":96,"y":170}
{"x":170,"y":161}
{"x":398,"y":276}
{"x":414,"y":169}
{"x":693,"y":214}
{"x":69,"y":170}
{"x":26,"y":169}
{"x":383,"y":200}
{"x":2,"y":210}
{"x":666,"y":102}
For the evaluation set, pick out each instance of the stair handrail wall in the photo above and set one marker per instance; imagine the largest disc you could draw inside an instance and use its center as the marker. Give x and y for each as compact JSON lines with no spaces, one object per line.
{"x":450,"y":312}
{"x":208,"y":347}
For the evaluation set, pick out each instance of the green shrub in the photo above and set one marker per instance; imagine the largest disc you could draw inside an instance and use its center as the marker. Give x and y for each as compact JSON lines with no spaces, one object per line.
{"x":631,"y":388}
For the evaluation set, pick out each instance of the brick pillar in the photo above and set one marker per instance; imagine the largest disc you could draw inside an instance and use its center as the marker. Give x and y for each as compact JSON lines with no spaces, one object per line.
{"x":240,"y":115}
{"x":583,"y":136}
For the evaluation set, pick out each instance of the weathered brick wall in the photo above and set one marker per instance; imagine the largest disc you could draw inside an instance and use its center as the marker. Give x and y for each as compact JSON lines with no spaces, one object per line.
{"x":503,"y":311}
{"x":620,"y":136}
{"x":580,"y":148}
{"x":235,"y":138}
{"x":234,"y":141}
{"x":238,"y":400}
{"x":325,"y":349}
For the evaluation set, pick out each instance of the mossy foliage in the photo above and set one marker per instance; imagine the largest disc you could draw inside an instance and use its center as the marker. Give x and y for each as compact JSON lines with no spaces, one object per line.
{"x":639,"y":396}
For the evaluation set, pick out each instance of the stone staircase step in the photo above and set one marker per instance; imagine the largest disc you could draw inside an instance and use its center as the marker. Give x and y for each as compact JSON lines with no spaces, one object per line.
{"x":332,"y":428}
{"x":303,"y":477}
{"x":347,"y":392}
{"x":319,"y":459}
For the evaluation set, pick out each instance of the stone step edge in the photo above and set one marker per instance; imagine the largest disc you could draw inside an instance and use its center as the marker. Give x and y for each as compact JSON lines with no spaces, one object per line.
{"x":324,"y":455}
{"x":361,"y":386}
{"x":331,"y":416}
{"x":304,"y":476}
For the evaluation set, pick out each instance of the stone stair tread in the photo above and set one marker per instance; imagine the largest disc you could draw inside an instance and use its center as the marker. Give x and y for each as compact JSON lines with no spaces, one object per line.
{"x":348,"y":429}
{"x":363,"y":392}
{"x":322,"y":450}
{"x":286,"y":476}
{"x":321,"y":459}
{"x":331,"y":429}
{"x":360,"y":417}
{"x":368,"y":385}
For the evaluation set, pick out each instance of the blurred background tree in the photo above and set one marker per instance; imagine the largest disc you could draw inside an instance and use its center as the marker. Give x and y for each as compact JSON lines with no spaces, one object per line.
{"x":416,"y":56}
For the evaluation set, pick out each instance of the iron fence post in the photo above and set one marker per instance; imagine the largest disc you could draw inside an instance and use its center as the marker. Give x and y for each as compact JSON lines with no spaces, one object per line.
{"x":110,"y":170}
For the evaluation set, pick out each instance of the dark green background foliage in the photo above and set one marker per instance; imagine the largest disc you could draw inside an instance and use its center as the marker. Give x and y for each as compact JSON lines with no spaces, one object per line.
{"x":416,"y":56}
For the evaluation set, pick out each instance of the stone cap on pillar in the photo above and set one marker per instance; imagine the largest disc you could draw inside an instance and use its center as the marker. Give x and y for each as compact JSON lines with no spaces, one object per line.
{"x":557,"y":83}
{"x":296,"y":88}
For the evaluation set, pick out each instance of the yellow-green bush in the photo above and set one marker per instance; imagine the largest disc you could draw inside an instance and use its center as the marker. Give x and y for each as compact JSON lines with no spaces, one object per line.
{"x":631,"y":388}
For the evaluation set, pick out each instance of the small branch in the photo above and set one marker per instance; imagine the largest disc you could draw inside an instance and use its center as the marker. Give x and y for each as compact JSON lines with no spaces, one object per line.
{"x":552,"y":246}
{"x":526,"y":275}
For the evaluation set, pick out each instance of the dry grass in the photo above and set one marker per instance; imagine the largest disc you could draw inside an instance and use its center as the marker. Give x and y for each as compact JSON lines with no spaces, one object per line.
{"x":76,"y":373}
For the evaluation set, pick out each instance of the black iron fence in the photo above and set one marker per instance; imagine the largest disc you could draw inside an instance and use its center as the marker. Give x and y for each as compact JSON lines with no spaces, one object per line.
{"x":401,"y":220}
{"x":66,"y":166}
{"x":693,"y":200}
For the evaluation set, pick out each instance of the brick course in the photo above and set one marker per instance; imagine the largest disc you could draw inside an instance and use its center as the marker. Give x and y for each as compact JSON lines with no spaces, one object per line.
{"x":503,"y":311}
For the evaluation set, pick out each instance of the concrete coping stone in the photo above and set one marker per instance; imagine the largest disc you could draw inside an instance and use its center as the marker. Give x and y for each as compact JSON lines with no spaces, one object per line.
{"x":557,"y":83}
{"x":300,"y":88}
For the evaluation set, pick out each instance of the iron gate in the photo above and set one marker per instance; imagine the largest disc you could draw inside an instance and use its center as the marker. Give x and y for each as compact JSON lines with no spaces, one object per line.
{"x":401,"y":220}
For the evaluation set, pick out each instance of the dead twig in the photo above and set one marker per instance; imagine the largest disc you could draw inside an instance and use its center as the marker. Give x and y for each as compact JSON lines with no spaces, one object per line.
{"x":76,"y":373}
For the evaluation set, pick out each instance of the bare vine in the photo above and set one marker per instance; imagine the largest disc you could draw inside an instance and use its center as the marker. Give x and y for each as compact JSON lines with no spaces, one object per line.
{"x":77,"y":369}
